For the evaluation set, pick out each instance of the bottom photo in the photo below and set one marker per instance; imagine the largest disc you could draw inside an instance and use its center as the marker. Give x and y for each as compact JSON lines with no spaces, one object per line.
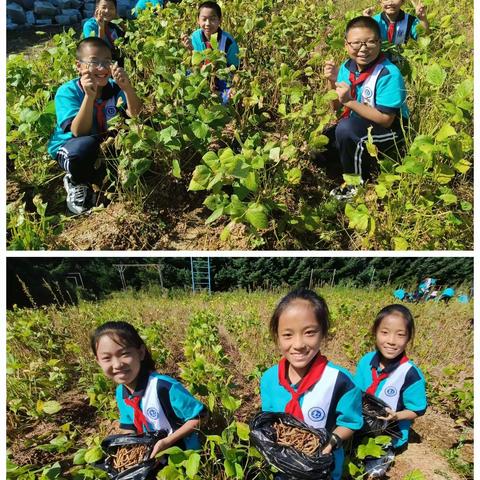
{"x":261,"y":368}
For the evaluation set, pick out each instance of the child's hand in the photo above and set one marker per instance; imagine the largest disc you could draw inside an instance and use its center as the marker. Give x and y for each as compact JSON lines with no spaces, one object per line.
{"x":330,"y":71}
{"x":343,"y":92}
{"x":186,"y":41}
{"x":327,"y":450}
{"x":391,"y":417}
{"x":120,"y":76}
{"x":89,"y":84}
{"x":99,"y":18}
{"x":368,"y":12}
{"x":421,"y":11}
{"x":159,"y":446}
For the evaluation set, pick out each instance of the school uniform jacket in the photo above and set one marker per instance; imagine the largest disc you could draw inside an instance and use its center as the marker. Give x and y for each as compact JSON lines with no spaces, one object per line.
{"x":166,"y":404}
{"x":384,"y":89}
{"x":226,"y":43}
{"x":333,"y":401}
{"x":143,"y":4}
{"x":403,"y":389}
{"x":68,"y":100}
{"x":405,"y":27}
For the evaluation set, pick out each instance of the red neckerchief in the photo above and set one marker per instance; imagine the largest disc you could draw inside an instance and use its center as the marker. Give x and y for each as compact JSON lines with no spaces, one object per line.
{"x":100,"y":116}
{"x":139,"y":419}
{"x":313,"y":375}
{"x":391,"y":31}
{"x":378,"y":378}
{"x":358,"y":81}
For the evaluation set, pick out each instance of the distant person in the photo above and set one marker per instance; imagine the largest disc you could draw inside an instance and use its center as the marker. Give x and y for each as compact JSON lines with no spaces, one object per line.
{"x":396,"y":26}
{"x":372,"y":92}
{"x":146,"y":399}
{"x":83,"y":106}
{"x":304,"y":383}
{"x":209,"y":21}
{"x":447,"y":294}
{"x":101,"y":25}
{"x":388,"y":374}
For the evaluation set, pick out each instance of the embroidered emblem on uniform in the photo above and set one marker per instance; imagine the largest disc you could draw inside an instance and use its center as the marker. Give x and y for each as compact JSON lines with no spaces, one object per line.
{"x":390,"y":391}
{"x":316,"y":414}
{"x":152,"y":413}
{"x":110,"y":111}
{"x":400,"y":32}
{"x":367,"y":93}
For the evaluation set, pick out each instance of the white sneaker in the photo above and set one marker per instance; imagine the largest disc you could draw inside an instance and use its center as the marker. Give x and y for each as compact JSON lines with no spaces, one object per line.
{"x":77,"y":195}
{"x":344,"y":192}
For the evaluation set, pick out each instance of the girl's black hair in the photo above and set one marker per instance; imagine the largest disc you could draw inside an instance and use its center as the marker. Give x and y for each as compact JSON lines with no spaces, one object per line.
{"x":319,"y":306}
{"x":111,"y":1}
{"x":213,"y":5}
{"x":126,"y":335}
{"x":395,"y":309}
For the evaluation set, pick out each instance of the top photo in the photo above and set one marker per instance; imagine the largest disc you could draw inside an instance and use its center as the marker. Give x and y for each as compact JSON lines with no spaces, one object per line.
{"x":262,"y":125}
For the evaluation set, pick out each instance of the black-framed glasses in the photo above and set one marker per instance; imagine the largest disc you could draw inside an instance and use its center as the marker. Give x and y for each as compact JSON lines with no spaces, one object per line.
{"x":98,"y":63}
{"x":357,"y":45}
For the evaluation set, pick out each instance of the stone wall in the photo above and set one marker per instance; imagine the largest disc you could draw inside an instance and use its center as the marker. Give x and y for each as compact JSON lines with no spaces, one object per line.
{"x":26,"y":13}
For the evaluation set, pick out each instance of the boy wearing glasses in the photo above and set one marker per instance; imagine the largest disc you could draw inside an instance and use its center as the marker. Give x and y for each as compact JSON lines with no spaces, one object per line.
{"x":83,"y":106}
{"x":372,"y":93}
{"x":396,"y":26}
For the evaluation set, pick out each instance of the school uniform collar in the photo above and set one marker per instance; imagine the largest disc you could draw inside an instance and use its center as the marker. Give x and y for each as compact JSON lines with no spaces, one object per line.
{"x":400,"y":17}
{"x":353,"y":67}
{"x":140,"y":388}
{"x":205,"y":39}
{"x":375,"y":362}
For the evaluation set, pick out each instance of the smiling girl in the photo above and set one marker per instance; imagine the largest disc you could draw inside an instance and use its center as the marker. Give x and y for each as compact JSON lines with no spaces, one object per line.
{"x":147,"y":400}
{"x":304,"y":383}
{"x":388,"y":374}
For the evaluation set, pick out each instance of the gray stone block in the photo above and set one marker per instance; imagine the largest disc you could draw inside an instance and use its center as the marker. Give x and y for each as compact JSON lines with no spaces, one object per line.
{"x":44,"y":8}
{"x":26,"y":4}
{"x":44,"y":21}
{"x":63,"y":19}
{"x":30,"y":16}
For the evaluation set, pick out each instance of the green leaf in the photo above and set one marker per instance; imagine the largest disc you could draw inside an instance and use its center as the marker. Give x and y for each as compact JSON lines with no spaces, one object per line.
{"x":370,"y":449}
{"x":176,"y":169}
{"x":274,"y":154}
{"x":200,"y":129}
{"x":215,"y":215}
{"x":444,"y":174}
{"x":400,"y":243}
{"x":93,"y":454}
{"x":462,"y":166}
{"x":51,"y":407}
{"x":229,"y":468}
{"x":79,"y":458}
{"x":448,"y":198}
{"x":359,"y":217}
{"x":466,"y":206}
{"x":225,"y":235}
{"x":243,"y":431}
{"x":446,"y":131}
{"x":200,"y":178}
{"x":294,"y":176}
{"x":414,"y":475}
{"x":251,"y":182}
{"x":257,"y":216}
{"x":381,"y":190}
{"x":318,"y":142}
{"x":352,"y":179}
{"x":192,"y":465}
{"x":436,"y":75}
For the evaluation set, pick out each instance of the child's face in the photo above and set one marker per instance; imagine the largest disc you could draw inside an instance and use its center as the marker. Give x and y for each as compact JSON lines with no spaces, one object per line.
{"x":97,"y":61}
{"x":118,"y":362}
{"x":299,"y":334}
{"x":106,"y":10}
{"x":363,"y":45}
{"x":208,"y":21}
{"x":391,"y":336}
{"x":391,"y":7}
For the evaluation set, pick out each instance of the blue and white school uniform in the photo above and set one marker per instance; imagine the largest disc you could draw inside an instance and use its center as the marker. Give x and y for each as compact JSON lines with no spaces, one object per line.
{"x":143,"y":4}
{"x":404,"y":28}
{"x":333,"y":401}
{"x":403,"y":389}
{"x":164,"y":403}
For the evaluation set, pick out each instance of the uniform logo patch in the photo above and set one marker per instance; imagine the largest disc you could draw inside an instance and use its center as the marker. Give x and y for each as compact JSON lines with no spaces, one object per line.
{"x":390,"y":391}
{"x":152,"y":413}
{"x":110,"y":111}
{"x":316,"y":414}
{"x":367,"y":92}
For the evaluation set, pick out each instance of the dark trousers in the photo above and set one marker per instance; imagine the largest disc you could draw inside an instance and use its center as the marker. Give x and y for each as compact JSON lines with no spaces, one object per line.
{"x":78,"y":156}
{"x":346,"y":149}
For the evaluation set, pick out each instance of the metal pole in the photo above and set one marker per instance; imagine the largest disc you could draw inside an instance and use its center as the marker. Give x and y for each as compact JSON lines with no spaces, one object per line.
{"x":159,"y":268}
{"x":209,"y":280}
{"x":333,"y":276}
{"x":193,"y":278}
{"x":311,"y":279}
{"x":389,"y":274}
{"x":371,"y":278}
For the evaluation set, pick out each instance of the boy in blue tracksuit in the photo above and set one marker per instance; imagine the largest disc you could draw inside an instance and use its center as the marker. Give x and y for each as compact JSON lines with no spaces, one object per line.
{"x":209,"y":20}
{"x":372,"y":92}
{"x":396,"y":26}
{"x":83,"y":106}
{"x":101,"y":25}
{"x":143,"y":4}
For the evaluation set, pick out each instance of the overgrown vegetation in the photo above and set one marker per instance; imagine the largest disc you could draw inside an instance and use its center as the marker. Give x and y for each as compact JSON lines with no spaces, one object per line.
{"x":248,"y":162}
{"x":59,"y":406}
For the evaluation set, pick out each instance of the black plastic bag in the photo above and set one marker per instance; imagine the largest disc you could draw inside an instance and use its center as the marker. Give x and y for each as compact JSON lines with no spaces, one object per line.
{"x":297,"y":465}
{"x":144,"y":470}
{"x":373,"y":407}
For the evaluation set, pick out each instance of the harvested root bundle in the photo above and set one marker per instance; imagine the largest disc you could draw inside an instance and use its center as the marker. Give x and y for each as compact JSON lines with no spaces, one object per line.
{"x":129,"y":456}
{"x":298,"y":438}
